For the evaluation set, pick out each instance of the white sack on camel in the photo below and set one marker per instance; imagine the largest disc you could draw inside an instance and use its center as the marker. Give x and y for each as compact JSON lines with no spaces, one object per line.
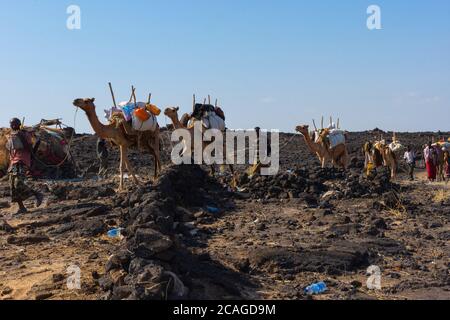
{"x":336,"y":137}
{"x":139,"y":125}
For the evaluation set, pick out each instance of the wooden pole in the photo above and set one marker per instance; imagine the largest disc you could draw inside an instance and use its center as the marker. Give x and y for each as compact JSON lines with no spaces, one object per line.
{"x":132,"y":93}
{"x":112,"y":94}
{"x":314,"y":123}
{"x":134,"y":96}
{"x":209,"y":99}
{"x":149,"y":98}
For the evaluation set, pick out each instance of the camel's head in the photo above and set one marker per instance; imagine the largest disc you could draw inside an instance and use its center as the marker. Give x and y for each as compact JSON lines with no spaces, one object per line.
{"x":85,"y":104}
{"x":171,"y":112}
{"x":304,"y":130}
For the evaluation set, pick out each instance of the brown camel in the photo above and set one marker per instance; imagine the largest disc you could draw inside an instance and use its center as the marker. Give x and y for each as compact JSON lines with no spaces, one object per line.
{"x":338,"y":154}
{"x":47,"y":151}
{"x":321,"y":150}
{"x":313,"y":146}
{"x":4,"y":154}
{"x":440,"y":165}
{"x":172,"y":114}
{"x":117,"y":133}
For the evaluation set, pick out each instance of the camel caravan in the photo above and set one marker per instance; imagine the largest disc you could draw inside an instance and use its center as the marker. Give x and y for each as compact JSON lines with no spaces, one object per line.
{"x":207,"y":116}
{"x":134,"y":124}
{"x":378,"y":153}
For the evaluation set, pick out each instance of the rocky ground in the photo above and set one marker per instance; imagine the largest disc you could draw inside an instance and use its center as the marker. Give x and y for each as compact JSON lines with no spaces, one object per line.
{"x":188,"y":235}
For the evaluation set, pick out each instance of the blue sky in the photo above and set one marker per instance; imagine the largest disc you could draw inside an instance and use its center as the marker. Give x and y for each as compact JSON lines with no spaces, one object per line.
{"x":270,"y":63}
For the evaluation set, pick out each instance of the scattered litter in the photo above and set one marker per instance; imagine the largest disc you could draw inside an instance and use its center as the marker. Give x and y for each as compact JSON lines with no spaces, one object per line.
{"x":316,"y":288}
{"x":115,"y":233}
{"x":212,"y":210}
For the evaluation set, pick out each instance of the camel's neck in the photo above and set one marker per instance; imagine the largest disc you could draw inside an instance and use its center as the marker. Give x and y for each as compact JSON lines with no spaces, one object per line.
{"x":176,"y":123}
{"x":309,"y":142}
{"x":100,"y":129}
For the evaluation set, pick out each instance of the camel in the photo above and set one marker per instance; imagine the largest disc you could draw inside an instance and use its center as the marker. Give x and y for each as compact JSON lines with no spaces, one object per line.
{"x":337,"y":155}
{"x":379,"y":154}
{"x":172,"y":114}
{"x":4,"y":154}
{"x":47,"y":152}
{"x":313,"y":146}
{"x":116,"y":132}
{"x":440,"y":166}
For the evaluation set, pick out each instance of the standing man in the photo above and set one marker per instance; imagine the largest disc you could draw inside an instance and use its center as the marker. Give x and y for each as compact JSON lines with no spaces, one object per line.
{"x":410,"y":158}
{"x":102,"y":155}
{"x":19,"y":146}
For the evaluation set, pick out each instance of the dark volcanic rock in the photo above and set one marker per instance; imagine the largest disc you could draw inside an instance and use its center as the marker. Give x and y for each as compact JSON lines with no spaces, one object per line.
{"x":149,"y":231}
{"x":28,"y":239}
{"x":4,"y":226}
{"x":331,"y":261}
{"x":90,"y":228}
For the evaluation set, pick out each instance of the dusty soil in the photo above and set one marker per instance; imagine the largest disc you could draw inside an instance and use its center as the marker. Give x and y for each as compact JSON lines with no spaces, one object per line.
{"x":269,"y":240}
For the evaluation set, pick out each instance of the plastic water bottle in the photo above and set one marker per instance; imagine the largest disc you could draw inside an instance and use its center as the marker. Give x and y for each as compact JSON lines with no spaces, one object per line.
{"x":114,"y":233}
{"x":316,"y":288}
{"x":212,"y":210}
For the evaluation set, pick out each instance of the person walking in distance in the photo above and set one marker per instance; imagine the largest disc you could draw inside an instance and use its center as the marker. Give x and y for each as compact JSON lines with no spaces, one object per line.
{"x":410,"y":158}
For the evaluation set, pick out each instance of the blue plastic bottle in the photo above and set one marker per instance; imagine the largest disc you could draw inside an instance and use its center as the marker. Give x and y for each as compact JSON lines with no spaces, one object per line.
{"x":114,"y":233}
{"x":212,"y":210}
{"x":316,"y":288}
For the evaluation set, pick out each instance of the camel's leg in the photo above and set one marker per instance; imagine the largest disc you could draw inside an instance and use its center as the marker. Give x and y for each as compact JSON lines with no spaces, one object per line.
{"x":121,"y":168}
{"x":342,"y":161}
{"x":156,"y":163}
{"x":441,"y":173}
{"x":345,"y":160}
{"x":157,"y":159}
{"x":155,"y":173}
{"x":154,"y":146}
{"x":334,"y":161}
{"x":323,"y":161}
{"x":127,"y":164}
